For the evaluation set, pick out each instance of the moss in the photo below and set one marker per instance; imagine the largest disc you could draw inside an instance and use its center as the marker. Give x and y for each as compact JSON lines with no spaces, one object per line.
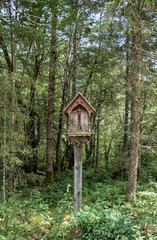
{"x":37,"y":220}
{"x":49,"y":179}
{"x":80,"y":133}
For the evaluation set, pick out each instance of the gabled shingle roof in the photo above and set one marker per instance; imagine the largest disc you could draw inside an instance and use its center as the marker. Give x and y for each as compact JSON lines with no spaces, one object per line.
{"x":66,"y":110}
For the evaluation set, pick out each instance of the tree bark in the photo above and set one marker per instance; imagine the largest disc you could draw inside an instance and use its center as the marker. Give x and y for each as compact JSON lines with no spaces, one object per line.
{"x":135,"y":102}
{"x":107,"y":152}
{"x":5,"y":51}
{"x":125,"y":146}
{"x":93,"y":152}
{"x":60,"y":127}
{"x":13,"y":103}
{"x":97,"y":145}
{"x":32,"y":138}
{"x":77,"y":11}
{"x":51,"y":98}
{"x":67,"y":76}
{"x":31,"y":130}
{"x":4,"y":148}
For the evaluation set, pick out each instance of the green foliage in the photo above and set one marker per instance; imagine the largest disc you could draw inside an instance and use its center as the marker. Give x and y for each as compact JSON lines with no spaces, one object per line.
{"x":48,"y":213}
{"x":98,"y":222}
{"x":34,"y":179}
{"x":101,"y":39}
{"x":111,"y":217}
{"x":23,"y":216}
{"x":101,"y":36}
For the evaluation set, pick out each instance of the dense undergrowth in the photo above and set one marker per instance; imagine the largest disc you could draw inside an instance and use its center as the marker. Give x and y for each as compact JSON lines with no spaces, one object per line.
{"x":48,"y":213}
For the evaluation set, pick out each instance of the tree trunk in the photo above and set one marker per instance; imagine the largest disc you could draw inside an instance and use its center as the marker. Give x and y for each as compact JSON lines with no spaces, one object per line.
{"x":107,"y":152}
{"x":125,"y":146}
{"x":64,"y":95}
{"x":97,"y":145}
{"x":32,"y":138}
{"x":69,"y":74}
{"x":135,"y":102}
{"x":77,"y":10}
{"x":100,"y":89}
{"x":5,"y":51}
{"x":13,"y":103}
{"x":51,"y":96}
{"x":124,"y":161}
{"x":60,"y":125}
{"x":87,"y":155}
{"x":31,"y":134}
{"x":70,"y":156}
{"x":74,"y":63}
{"x":93,"y":152}
{"x":4,"y":148}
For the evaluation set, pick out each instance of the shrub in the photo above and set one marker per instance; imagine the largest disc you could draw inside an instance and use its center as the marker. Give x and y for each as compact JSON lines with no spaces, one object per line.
{"x":100,"y":222}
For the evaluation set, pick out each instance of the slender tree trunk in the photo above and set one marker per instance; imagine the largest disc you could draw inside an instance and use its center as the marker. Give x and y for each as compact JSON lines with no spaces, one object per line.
{"x":75,"y":49}
{"x":14,"y":73}
{"x":124,"y":162}
{"x":60,"y":127}
{"x":106,"y":160}
{"x":70,"y":73}
{"x":51,"y":98}
{"x":4,"y":148}
{"x":59,"y":135}
{"x":87,"y":155}
{"x":135,"y":102}
{"x":64,"y":95}
{"x":107,"y":152}
{"x":125,"y":146}
{"x":93,"y":152}
{"x":97,"y":145}
{"x":100,"y":89}
{"x":74,"y":70}
{"x":13,"y":103}
{"x":90,"y":151}
{"x":5,"y":51}
{"x":74,"y":63}
{"x":32,"y":163}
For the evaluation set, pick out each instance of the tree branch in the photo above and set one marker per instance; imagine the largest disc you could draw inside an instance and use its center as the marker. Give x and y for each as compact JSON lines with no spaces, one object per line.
{"x":7,"y":58}
{"x":21,"y":13}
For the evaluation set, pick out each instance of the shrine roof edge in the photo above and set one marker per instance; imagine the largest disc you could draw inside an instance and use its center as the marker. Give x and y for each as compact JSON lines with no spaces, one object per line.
{"x":73,"y":100}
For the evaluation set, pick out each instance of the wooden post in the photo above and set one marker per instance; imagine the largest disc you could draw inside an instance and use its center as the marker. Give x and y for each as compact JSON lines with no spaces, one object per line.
{"x":79,"y":115}
{"x":77,"y":177}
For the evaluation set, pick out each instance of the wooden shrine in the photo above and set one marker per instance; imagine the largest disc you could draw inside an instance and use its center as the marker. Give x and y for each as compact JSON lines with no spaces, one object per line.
{"x":79,"y":131}
{"x":79,"y":120}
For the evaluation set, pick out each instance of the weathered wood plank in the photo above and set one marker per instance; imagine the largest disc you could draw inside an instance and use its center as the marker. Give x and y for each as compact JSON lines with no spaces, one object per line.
{"x":73,"y":121}
{"x":77,"y":177}
{"x":84,"y":121}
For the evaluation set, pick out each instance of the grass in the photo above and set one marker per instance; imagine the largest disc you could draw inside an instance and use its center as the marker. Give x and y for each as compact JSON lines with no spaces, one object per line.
{"x":48,"y":213}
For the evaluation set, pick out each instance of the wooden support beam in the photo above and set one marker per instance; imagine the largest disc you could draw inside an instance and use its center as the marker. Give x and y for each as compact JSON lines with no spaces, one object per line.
{"x":77,"y":177}
{"x":79,"y":115}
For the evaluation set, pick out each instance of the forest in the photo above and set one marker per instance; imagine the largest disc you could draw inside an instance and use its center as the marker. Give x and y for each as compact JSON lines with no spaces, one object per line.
{"x":50,"y":50}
